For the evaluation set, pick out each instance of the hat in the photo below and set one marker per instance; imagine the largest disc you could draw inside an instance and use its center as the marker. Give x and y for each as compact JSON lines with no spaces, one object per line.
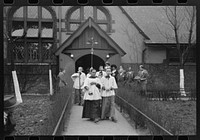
{"x":114,"y":66}
{"x":141,"y":66}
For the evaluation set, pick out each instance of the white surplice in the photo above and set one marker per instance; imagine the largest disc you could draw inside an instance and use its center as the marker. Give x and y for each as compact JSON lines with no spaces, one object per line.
{"x":77,"y":78}
{"x":93,"y":93}
{"x":108,"y":83}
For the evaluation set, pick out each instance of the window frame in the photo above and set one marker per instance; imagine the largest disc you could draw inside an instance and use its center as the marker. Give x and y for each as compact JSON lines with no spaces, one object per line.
{"x":193,"y":50}
{"x":70,"y":11}
{"x":39,"y":39}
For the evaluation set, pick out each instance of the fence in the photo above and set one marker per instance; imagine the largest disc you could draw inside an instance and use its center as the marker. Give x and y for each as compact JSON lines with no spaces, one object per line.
{"x":140,"y":118}
{"x":64,"y":115}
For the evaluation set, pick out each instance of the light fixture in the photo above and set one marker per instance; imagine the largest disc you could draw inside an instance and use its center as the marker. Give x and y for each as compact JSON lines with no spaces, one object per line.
{"x":71,"y":55}
{"x":107,"y":56}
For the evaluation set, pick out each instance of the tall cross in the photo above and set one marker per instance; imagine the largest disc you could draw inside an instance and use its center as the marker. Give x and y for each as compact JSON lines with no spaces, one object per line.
{"x":92,"y":42}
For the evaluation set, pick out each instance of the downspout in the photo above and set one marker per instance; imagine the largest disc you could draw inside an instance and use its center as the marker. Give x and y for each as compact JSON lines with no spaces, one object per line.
{"x":60,"y":24}
{"x":60,"y":33}
{"x":143,"y":56}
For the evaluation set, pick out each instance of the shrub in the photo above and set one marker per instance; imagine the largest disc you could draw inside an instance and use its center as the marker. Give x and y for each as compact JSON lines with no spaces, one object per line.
{"x":167,"y":122}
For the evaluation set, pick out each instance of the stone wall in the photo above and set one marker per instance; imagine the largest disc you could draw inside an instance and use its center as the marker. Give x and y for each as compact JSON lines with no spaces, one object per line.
{"x":164,"y":76}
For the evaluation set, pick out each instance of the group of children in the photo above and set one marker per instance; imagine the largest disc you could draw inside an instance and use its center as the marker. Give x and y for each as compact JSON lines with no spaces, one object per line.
{"x":96,"y":92}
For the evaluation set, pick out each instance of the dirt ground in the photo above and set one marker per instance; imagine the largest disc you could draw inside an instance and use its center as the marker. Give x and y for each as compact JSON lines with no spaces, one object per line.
{"x":31,"y":115}
{"x":184,"y":110}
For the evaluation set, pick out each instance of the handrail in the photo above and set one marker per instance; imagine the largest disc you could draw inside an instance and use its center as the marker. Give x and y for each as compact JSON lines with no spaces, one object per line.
{"x":61,"y":116}
{"x":145,"y":115}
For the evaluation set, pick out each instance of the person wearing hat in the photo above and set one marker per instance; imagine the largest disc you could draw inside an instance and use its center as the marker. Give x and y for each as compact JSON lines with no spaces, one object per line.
{"x":142,"y":79}
{"x":101,"y":72}
{"x":107,"y":65}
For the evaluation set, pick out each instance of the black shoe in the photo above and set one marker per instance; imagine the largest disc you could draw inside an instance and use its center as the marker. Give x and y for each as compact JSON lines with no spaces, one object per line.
{"x":91,"y":119}
{"x":96,"y":120}
{"x":114,"y":120}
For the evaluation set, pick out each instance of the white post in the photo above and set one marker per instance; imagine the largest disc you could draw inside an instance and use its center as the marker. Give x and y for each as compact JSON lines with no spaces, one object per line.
{"x":16,"y":86}
{"x":50,"y":82}
{"x":182,"y":88}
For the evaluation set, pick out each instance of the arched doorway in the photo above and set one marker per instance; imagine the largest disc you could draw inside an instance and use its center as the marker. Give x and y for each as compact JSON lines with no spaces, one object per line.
{"x":85,"y":62}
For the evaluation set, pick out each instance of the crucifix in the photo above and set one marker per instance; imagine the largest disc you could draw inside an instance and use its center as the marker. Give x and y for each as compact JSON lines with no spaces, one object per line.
{"x":92,"y":42}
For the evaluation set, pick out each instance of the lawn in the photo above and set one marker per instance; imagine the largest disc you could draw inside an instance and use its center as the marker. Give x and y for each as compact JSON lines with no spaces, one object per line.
{"x":185,"y":111}
{"x":32,"y":115}
{"x":177,"y":116}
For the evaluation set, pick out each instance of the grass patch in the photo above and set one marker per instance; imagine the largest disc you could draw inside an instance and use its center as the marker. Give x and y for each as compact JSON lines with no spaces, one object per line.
{"x":174,"y":120}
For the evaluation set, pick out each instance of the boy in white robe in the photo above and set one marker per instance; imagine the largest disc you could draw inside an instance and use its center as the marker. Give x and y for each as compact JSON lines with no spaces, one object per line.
{"x":92,"y":97}
{"x":101,"y":72}
{"x":108,"y":95}
{"x":78,"y":79}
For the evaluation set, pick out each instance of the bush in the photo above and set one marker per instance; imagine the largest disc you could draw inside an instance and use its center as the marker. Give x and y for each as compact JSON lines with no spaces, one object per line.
{"x":167,"y":122}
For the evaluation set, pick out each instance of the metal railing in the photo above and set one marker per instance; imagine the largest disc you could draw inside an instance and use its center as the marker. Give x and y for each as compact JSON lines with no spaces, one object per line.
{"x":140,"y":118}
{"x":60,"y":126}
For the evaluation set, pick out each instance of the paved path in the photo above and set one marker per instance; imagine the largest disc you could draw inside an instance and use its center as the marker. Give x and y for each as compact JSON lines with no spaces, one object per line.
{"x":79,"y":126}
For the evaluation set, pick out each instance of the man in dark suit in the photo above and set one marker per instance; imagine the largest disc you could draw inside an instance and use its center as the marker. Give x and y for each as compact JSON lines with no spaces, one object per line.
{"x":114,"y":72}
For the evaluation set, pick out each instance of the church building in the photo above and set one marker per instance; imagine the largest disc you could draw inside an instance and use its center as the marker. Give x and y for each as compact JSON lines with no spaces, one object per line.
{"x":71,"y":36}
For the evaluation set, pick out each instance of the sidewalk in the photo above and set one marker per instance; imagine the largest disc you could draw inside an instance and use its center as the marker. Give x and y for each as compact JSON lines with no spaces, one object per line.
{"x":79,"y":126}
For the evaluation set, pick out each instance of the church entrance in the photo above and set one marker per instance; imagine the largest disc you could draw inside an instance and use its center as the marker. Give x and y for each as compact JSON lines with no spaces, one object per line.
{"x":85,"y":62}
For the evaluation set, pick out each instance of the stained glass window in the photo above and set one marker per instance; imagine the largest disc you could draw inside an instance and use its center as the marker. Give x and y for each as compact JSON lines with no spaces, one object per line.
{"x":88,"y":12}
{"x":17,"y":28}
{"x":32,"y":12}
{"x":73,"y":27}
{"x":19,"y":13}
{"x":47,"y":30}
{"x":19,"y":51}
{"x":33,"y":51}
{"x":39,"y":25}
{"x":46,"y":14}
{"x":76,"y":15}
{"x":32,"y":29}
{"x":100,"y":15}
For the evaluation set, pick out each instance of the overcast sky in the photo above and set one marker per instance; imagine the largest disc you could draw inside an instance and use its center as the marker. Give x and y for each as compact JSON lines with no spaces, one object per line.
{"x":148,"y":17}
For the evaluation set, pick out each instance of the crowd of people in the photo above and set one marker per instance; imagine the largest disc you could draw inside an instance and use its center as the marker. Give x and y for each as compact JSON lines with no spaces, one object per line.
{"x":95,"y":90}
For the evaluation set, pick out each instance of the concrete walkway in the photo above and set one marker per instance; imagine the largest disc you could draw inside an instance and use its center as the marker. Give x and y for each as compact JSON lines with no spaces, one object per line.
{"x":79,"y":126}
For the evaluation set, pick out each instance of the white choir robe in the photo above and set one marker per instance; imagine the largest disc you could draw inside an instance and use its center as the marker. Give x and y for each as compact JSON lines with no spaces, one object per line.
{"x":108,"y":83}
{"x":88,"y":75}
{"x":96,"y":94}
{"x":75,"y":78}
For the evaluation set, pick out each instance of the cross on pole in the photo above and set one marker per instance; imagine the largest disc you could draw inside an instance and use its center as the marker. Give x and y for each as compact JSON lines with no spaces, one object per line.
{"x":92,"y":42}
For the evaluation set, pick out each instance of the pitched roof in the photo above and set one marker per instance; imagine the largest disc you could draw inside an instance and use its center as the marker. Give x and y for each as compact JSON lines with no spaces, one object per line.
{"x":133,"y":22}
{"x":90,"y":23}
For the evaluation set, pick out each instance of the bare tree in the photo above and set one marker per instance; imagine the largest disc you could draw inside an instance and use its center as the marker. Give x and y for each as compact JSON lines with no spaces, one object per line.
{"x":133,"y":43}
{"x":182,"y":21}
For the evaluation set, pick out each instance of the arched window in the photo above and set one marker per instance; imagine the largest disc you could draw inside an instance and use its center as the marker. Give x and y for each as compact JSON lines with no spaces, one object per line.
{"x":39,"y":43}
{"x":78,"y":14}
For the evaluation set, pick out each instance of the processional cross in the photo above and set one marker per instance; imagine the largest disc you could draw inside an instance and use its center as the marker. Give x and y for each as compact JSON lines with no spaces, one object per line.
{"x":92,"y":42}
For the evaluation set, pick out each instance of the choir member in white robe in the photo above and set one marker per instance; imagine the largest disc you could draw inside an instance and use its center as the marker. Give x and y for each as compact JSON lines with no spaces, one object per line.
{"x":108,"y":95}
{"x":101,"y":72}
{"x":92,"y":98}
{"x":78,"y":79}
